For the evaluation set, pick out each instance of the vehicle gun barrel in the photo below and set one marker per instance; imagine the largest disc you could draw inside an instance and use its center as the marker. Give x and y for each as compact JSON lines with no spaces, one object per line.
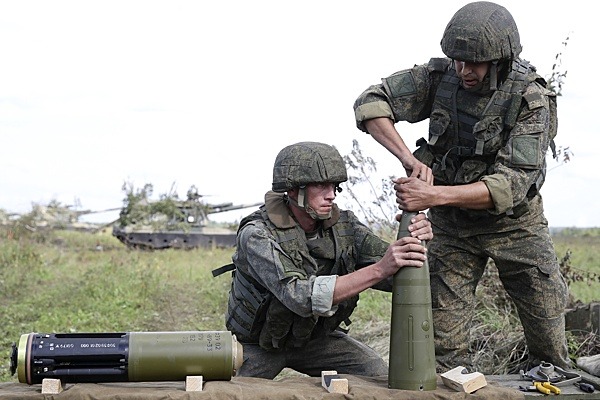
{"x":126,"y":356}
{"x":218,"y":208}
{"x":412,"y":351}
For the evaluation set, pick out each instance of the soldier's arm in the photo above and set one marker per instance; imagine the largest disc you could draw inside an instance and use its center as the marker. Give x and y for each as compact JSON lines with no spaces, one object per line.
{"x":385,"y":133}
{"x":405,"y":252}
{"x":406,"y":95}
{"x":414,"y":195}
{"x":519,"y":170}
{"x":382,"y":260}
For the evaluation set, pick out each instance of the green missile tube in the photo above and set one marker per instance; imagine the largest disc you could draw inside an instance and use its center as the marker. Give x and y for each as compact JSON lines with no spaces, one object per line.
{"x":412,"y":351}
{"x":175,"y":355}
{"x":126,"y":356}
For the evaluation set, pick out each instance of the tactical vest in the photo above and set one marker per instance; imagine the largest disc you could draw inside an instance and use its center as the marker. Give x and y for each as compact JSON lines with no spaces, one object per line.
{"x":467,"y":129}
{"x":256,"y":316}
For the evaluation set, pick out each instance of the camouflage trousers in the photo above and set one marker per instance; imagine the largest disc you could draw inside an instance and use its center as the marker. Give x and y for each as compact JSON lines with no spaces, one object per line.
{"x":529,"y":271}
{"x":336,"y":351}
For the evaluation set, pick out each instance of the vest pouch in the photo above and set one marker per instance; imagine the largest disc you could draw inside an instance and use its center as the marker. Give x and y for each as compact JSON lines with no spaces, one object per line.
{"x":302,"y":330}
{"x":345,"y":309}
{"x":470,"y":171}
{"x":423,"y":153}
{"x":285,"y":329}
{"x":488,"y":135}
{"x":247,"y":306}
{"x":438,"y":123}
{"x":444,"y":170}
{"x":277,"y":326}
{"x":321,"y":248}
{"x":290,"y":262}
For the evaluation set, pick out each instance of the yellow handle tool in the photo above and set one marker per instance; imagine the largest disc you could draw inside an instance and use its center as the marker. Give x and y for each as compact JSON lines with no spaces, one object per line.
{"x":551,"y":387}
{"x":540,"y":387}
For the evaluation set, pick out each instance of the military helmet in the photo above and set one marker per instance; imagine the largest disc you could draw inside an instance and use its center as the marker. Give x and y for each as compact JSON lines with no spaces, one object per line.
{"x":307,"y":162}
{"x":481,"y":31}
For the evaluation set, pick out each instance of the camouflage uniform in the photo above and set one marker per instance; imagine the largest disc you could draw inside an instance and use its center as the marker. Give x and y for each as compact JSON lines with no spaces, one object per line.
{"x":498,"y":134}
{"x":280,"y":303}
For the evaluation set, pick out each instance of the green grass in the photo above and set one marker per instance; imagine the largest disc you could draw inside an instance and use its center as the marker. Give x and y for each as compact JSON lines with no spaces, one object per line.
{"x":584,"y":262}
{"x":64,"y":282}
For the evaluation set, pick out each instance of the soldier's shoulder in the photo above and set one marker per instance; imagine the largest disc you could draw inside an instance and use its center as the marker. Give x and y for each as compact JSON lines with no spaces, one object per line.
{"x":253,"y":227}
{"x":536,"y":95}
{"x":439,"y":64}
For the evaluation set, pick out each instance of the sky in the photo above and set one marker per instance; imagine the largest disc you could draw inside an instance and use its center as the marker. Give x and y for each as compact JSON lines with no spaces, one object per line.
{"x":95,"y":94}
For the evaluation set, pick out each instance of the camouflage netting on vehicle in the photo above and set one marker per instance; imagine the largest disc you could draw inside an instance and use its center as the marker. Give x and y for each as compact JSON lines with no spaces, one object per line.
{"x":296,"y":388}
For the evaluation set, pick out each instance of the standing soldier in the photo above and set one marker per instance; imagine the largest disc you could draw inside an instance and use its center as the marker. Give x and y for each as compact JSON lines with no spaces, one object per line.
{"x":491,"y":121}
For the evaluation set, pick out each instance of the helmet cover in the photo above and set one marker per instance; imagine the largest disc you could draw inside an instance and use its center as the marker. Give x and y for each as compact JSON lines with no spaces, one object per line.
{"x":307,"y":162}
{"x":481,"y":31}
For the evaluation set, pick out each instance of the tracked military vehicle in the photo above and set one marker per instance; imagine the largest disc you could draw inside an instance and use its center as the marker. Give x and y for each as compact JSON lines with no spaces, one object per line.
{"x":53,"y":216}
{"x":172,"y":223}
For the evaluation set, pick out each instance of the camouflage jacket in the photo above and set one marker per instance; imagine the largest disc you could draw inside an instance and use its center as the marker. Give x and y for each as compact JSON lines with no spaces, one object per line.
{"x":499,"y":137}
{"x":283,"y":283}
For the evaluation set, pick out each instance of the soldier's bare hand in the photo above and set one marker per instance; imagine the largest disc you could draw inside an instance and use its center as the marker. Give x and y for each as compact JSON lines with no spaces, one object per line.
{"x":419,"y":227}
{"x":416,"y":169}
{"x":404,"y":252}
{"x":413,"y":194}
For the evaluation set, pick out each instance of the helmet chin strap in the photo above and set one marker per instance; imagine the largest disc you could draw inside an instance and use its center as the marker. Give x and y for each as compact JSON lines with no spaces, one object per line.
{"x":309,"y":210}
{"x":494,"y":75}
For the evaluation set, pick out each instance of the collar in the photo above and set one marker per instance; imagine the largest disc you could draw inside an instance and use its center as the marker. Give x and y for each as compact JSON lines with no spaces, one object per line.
{"x":280,"y":215}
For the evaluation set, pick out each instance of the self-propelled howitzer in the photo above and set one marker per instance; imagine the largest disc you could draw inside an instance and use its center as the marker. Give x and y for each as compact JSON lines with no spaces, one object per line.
{"x":173,"y":223}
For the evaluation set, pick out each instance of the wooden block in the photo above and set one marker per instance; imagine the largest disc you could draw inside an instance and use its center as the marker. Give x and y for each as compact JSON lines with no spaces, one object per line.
{"x":51,"y":386}
{"x":331,"y":381}
{"x":462,"y":382}
{"x":193,"y":383}
{"x":328,"y":374}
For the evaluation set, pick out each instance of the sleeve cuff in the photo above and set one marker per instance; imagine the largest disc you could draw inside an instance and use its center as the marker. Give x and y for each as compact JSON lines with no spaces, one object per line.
{"x":500,"y":192}
{"x":375,"y":109}
{"x":322,"y":296}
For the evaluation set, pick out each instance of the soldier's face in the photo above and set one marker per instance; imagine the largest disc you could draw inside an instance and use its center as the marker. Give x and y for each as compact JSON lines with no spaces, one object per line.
{"x":471,"y":74}
{"x":321,"y":196}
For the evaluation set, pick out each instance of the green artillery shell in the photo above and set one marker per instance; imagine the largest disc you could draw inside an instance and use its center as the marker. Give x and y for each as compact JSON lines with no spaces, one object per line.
{"x":412,"y":351}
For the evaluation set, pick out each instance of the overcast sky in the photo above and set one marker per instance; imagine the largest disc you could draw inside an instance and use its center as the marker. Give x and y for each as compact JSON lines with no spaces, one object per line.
{"x":97,"y":93}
